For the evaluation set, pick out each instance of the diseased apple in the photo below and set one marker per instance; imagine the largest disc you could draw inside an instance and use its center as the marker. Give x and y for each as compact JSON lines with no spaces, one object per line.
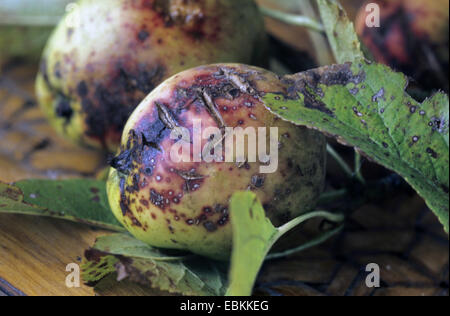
{"x":107,"y":55}
{"x":177,"y":203}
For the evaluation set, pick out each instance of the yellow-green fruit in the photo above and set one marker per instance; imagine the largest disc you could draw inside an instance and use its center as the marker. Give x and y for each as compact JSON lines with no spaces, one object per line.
{"x":184,"y":204}
{"x":97,"y":68}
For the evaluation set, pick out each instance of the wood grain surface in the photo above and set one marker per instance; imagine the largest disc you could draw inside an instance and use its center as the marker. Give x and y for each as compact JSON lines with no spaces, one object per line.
{"x":400,"y":234}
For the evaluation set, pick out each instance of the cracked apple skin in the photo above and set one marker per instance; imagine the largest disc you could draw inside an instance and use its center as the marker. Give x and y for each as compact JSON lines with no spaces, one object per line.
{"x":94,"y":74}
{"x":413,"y":37}
{"x":185,"y":205}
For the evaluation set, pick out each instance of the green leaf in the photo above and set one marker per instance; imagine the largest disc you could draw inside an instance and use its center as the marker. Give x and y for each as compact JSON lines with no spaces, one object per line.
{"x":99,"y":266}
{"x":365,"y":106}
{"x":415,"y":139}
{"x":82,"y":201}
{"x":340,"y":32}
{"x":123,"y":256}
{"x":134,"y":260}
{"x":253,"y":236}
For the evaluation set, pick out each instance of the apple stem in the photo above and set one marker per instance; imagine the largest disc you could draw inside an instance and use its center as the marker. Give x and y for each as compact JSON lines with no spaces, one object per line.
{"x":332,"y":217}
{"x":345,"y":167}
{"x":293,"y":19}
{"x":332,"y":196}
{"x":352,"y":174}
{"x":319,"y":40}
{"x":358,"y":165}
{"x":310,"y":244}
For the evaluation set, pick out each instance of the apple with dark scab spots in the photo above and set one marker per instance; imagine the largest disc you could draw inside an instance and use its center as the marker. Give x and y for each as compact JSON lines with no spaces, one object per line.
{"x":413,"y":37}
{"x":184,"y":204}
{"x":107,"y":55}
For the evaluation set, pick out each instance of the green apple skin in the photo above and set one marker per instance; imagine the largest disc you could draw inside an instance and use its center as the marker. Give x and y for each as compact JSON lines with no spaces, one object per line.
{"x":94,"y":73}
{"x":185,"y":205}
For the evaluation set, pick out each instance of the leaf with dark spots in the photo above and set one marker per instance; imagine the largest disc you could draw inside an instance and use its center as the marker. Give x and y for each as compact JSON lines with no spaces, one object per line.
{"x":379,"y":95}
{"x":82,"y":201}
{"x":411,"y":140}
{"x":98,"y":265}
{"x":309,"y":84}
{"x":376,"y":121}
{"x":127,"y":258}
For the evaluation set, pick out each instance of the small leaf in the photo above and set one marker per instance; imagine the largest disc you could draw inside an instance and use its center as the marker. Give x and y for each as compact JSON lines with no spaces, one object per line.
{"x":123,"y":256}
{"x":253,"y":236}
{"x":82,"y":201}
{"x":99,"y":266}
{"x":134,"y":260}
{"x":365,"y":106}
{"x":125,"y":245}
